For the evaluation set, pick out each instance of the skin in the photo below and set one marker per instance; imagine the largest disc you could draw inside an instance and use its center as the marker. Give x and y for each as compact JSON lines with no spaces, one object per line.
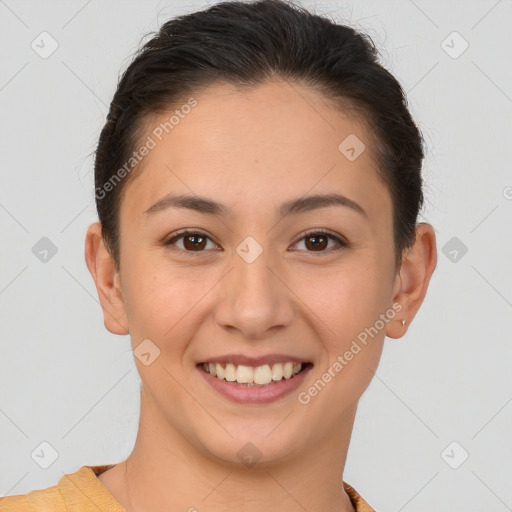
{"x":252,"y":150}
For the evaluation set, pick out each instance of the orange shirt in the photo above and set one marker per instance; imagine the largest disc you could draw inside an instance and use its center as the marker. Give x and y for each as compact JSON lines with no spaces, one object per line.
{"x":83,"y":492}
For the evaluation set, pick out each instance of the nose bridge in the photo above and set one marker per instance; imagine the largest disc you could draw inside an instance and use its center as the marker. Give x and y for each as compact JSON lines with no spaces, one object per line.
{"x":251,"y":267}
{"x":253,"y":280}
{"x":257,"y":299}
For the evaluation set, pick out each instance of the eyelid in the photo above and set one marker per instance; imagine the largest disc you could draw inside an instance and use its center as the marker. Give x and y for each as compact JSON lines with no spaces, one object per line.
{"x":323,"y":231}
{"x":182,"y":233}
{"x":342,"y":242}
{"x":339,"y":239}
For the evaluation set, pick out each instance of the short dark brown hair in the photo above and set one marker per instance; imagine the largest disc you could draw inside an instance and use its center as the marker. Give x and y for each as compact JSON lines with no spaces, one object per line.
{"x":246,"y":43}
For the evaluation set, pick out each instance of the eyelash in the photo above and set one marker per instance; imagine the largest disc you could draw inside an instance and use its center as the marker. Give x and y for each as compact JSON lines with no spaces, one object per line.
{"x":188,"y":232}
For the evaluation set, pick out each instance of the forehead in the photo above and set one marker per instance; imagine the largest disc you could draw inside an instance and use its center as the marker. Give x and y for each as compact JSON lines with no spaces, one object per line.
{"x":255,"y":146}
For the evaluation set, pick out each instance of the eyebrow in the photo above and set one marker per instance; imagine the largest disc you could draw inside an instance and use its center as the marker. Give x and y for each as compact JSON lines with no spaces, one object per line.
{"x":208,"y":206}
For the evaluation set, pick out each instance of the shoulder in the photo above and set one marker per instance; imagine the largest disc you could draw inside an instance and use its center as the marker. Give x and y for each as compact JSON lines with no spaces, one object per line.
{"x":80,"y":491}
{"x":41,"y":500}
{"x":360,"y":505}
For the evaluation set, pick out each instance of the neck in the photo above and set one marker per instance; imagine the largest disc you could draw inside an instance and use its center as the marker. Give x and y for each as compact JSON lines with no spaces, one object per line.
{"x":166,"y":471}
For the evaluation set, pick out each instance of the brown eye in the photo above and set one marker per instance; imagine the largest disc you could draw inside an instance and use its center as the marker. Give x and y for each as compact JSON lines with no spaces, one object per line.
{"x":193,"y":242}
{"x":318,"y":241}
{"x":196,"y":242}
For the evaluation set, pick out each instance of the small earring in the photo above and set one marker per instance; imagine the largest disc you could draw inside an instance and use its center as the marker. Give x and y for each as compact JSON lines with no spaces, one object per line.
{"x":403,"y":323}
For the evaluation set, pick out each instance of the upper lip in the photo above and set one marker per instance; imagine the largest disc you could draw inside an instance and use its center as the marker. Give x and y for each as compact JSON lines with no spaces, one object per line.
{"x":254,"y":361}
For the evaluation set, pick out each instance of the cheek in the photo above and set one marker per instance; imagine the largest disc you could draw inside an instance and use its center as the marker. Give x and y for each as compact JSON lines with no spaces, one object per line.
{"x":354,"y":341}
{"x":346,"y":297}
{"x":348,"y":306}
{"x":161,"y":302}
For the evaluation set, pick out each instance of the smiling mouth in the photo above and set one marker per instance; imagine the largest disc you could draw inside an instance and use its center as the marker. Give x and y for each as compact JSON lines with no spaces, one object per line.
{"x":264,"y":375}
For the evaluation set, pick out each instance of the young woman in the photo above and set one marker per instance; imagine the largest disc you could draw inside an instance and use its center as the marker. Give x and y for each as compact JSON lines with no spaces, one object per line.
{"x":258,"y":182}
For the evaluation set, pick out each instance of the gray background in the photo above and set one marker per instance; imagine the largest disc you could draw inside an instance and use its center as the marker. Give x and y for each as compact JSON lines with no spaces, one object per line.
{"x":66,"y":381}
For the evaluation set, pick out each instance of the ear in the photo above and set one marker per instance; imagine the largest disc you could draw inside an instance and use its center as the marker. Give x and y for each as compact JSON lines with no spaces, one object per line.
{"x":101,"y":265}
{"x":418,"y":265}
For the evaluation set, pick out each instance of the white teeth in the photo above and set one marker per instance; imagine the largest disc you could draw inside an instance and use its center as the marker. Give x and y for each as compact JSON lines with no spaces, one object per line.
{"x":244,"y":374}
{"x":253,"y":376}
{"x":277,"y":371}
{"x":263,"y":375}
{"x":287,"y":370}
{"x":219,"y":371}
{"x":230,"y":372}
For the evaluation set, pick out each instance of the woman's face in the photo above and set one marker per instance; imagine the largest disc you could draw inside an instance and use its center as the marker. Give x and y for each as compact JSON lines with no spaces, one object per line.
{"x":255,"y":278}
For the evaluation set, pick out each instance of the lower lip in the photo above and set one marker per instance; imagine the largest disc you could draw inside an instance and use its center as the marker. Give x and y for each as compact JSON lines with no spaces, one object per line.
{"x":255,"y":394}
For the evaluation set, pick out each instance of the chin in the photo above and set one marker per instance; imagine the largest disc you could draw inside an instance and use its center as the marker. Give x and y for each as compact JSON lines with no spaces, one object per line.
{"x":257,"y":447}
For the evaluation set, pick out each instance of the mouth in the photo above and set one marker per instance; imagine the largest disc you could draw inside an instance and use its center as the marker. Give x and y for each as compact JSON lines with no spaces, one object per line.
{"x":263,"y":375}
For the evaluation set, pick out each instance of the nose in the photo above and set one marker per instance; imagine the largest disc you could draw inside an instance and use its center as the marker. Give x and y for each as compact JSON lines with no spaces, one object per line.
{"x":254,"y":298}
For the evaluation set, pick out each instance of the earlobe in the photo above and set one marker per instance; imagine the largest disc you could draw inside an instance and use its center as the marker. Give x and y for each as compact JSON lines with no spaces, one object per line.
{"x":418,"y":265}
{"x":101,"y":265}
